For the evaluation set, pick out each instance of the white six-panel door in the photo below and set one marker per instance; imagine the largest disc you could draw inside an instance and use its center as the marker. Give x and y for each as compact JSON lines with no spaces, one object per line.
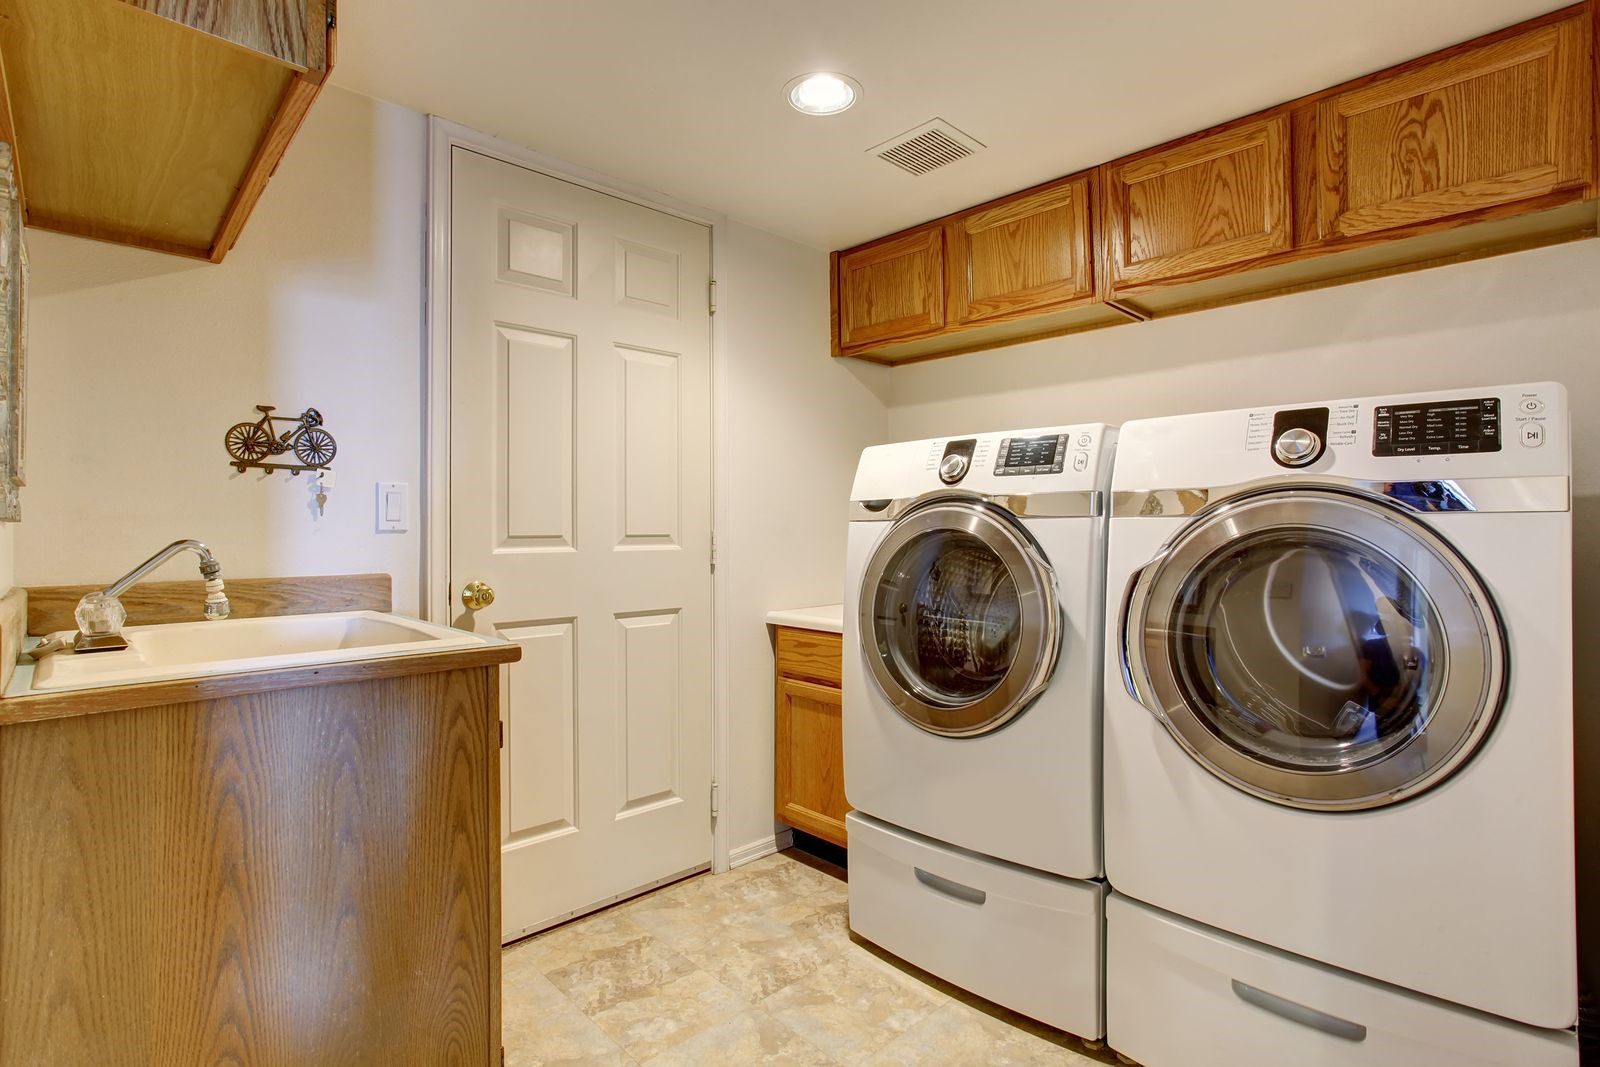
{"x":580,"y":467}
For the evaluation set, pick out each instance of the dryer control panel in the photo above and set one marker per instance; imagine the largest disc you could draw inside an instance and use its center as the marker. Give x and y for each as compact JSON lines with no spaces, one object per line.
{"x":1440,"y":427}
{"x":1032,"y":455}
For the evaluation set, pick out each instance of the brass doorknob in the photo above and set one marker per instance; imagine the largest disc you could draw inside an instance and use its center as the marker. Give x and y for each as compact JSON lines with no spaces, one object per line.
{"x":477,"y":595}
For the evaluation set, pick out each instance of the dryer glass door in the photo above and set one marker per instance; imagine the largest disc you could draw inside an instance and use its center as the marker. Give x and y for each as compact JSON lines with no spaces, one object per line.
{"x":960,"y":616}
{"x":1319,"y":648}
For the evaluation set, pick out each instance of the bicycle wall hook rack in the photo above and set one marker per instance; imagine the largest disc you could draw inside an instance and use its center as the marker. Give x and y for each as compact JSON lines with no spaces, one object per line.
{"x":250,"y":443}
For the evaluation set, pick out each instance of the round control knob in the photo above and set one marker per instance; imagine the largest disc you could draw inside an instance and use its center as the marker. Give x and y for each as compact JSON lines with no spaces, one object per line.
{"x":1296,"y":447}
{"x":477,"y":595}
{"x":953,"y":469}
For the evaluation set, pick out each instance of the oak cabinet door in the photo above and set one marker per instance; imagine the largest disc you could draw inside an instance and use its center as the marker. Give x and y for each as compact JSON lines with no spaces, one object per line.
{"x":1212,"y":202}
{"x":892,"y":290}
{"x":1025,"y":254}
{"x":1489,"y":125}
{"x":810,"y":759}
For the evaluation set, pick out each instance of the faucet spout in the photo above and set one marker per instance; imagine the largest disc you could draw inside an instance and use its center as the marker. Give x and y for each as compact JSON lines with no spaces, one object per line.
{"x":100,"y":615}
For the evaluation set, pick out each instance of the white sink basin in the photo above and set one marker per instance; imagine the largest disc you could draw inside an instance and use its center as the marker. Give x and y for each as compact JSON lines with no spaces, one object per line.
{"x":234,"y":646}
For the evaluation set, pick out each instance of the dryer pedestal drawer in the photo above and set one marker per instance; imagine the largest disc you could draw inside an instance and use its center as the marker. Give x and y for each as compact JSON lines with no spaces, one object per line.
{"x":1023,"y":939}
{"x":1183,"y":995}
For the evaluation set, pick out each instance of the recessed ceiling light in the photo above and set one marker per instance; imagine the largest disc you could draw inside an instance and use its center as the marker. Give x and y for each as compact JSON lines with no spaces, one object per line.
{"x":822,"y":93}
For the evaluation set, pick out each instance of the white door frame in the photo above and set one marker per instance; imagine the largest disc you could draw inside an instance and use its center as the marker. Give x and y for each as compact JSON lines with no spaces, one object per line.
{"x":443,"y":137}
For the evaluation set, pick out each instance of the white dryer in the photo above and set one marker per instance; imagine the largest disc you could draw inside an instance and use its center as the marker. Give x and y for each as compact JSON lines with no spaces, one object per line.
{"x":973,"y":623}
{"x":1339,"y":722}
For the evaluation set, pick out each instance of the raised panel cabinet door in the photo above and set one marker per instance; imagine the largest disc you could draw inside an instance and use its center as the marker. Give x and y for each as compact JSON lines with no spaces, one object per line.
{"x":1490,"y":125}
{"x":810,"y":759}
{"x":1206,"y":203}
{"x":1025,"y":254}
{"x":892,"y":290}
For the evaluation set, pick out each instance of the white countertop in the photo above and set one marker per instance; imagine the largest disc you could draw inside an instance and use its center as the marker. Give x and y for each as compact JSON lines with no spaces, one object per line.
{"x":828,"y":618}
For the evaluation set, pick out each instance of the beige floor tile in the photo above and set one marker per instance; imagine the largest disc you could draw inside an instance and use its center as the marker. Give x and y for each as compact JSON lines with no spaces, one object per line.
{"x":669,"y":1014}
{"x":578,"y":940}
{"x":541,"y":1027}
{"x":959,"y":1036}
{"x":771,"y":882}
{"x":819,"y":918}
{"x":851,"y":1009}
{"x":753,"y":967}
{"x":619,"y":973}
{"x":751,"y":1038}
{"x":705,"y":917}
{"x":756,"y":969}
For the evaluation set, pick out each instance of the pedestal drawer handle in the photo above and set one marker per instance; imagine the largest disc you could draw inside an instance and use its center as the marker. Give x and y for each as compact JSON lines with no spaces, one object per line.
{"x":944,"y":885}
{"x":1299,"y":1013}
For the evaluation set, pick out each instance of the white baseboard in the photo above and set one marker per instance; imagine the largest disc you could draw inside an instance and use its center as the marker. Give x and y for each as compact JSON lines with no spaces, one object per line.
{"x":761,"y":846}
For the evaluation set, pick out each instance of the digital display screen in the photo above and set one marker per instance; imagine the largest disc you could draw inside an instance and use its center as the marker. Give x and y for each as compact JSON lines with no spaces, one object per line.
{"x":1031,"y":455}
{"x":1441,"y":428}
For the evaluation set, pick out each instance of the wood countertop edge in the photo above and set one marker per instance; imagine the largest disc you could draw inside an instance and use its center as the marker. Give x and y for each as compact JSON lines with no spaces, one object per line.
{"x":41,"y":706}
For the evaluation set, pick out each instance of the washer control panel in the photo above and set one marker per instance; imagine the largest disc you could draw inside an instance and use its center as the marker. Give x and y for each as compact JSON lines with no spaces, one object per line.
{"x":1037,"y":455}
{"x":1441,"y":427}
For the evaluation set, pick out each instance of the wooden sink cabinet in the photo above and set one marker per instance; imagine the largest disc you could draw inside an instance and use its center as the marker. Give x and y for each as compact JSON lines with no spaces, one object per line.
{"x":293,"y":867}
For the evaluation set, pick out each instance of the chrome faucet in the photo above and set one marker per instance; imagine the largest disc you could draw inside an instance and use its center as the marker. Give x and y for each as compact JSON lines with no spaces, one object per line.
{"x":100,"y":615}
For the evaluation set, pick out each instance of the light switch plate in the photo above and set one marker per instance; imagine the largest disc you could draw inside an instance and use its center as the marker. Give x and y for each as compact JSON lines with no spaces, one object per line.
{"x":394,"y":507}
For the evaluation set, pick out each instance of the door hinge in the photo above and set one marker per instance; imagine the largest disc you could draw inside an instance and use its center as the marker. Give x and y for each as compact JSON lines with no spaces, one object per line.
{"x":333,"y":14}
{"x":713,"y":553}
{"x":502,"y":733}
{"x":711,"y":297}
{"x":714,"y":799}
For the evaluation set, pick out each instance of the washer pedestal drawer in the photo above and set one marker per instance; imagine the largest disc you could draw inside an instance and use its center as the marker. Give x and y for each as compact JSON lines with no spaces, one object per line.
{"x":1179,"y":994}
{"x":1030,"y":941}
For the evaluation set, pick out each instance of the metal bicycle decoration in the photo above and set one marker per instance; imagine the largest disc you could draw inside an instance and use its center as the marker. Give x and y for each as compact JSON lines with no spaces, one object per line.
{"x":249,"y":443}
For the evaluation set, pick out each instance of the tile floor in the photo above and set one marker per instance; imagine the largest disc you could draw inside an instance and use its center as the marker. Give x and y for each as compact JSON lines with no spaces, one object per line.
{"x":754,"y":966}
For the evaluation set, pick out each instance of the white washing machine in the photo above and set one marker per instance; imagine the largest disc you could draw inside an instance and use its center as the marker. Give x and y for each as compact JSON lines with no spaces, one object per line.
{"x":973,"y":625}
{"x":1339,"y":723}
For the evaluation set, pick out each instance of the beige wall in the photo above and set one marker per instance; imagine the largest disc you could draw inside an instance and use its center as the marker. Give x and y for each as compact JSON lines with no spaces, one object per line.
{"x":139,"y":362}
{"x":1530,"y":316}
{"x":798,"y":421}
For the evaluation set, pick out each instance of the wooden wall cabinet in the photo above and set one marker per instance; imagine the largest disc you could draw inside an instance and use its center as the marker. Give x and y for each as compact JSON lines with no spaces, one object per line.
{"x":156,"y":123}
{"x":892,"y":290}
{"x":809,"y":765}
{"x":1476,"y":128}
{"x":1213,"y":201}
{"x":1025,"y":254}
{"x":1486,"y":147}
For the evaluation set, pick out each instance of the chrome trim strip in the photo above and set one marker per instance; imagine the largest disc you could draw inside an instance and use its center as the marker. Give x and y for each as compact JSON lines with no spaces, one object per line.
{"x":1530,"y":494}
{"x":1077,"y":504}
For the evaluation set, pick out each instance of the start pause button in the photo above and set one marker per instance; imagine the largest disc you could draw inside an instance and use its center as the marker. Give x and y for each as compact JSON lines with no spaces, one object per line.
{"x":1532,"y":435}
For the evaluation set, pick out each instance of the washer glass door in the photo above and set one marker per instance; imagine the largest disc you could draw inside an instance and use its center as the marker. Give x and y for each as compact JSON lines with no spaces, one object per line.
{"x":1318,"y":648}
{"x":960,"y":618}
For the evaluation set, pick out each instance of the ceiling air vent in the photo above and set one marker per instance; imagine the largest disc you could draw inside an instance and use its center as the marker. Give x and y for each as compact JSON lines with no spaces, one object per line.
{"x":928,"y":147}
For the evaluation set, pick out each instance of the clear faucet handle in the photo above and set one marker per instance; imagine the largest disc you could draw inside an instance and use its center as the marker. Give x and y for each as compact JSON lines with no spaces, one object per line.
{"x":99,"y":615}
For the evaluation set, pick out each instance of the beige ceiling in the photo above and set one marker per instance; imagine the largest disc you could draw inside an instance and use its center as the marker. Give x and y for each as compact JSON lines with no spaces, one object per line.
{"x":685,"y":96}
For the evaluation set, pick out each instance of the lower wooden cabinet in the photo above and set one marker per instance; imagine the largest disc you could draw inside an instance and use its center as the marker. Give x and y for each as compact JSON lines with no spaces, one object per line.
{"x":810,"y":741}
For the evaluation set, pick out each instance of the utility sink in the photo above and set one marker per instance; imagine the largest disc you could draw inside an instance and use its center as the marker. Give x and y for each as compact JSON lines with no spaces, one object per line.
{"x":235,"y":646}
